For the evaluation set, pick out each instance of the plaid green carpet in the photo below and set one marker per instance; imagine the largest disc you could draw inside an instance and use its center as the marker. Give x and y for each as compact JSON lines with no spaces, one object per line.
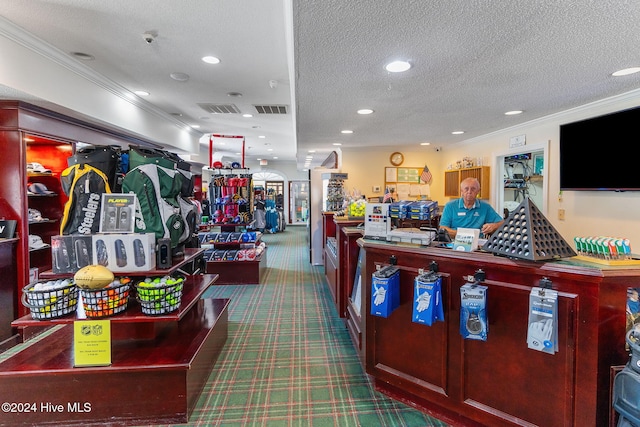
{"x":289,"y":360}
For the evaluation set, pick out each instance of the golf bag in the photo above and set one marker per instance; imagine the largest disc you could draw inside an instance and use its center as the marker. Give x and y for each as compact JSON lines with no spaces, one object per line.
{"x":84,"y":185}
{"x":161,"y":209}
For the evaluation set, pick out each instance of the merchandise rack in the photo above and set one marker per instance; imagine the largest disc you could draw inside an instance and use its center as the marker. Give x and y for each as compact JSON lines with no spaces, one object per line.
{"x":148,"y":353}
{"x":235,"y":272}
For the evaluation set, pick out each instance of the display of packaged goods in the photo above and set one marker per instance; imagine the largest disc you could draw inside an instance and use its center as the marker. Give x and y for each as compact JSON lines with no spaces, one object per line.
{"x":411,"y":235}
{"x":422,"y":209}
{"x":399,"y":209}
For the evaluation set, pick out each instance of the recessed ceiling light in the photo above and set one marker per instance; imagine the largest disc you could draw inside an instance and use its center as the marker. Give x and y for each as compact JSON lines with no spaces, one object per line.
{"x":247,"y":115}
{"x":346,"y":131}
{"x":365,"y":111}
{"x":269,"y":149}
{"x":397,"y":66}
{"x":211,"y":59}
{"x":261,"y":136}
{"x":83,"y":56}
{"x":141,"y":93}
{"x":312,"y":151}
{"x":513,"y":113}
{"x":425,"y":143}
{"x":181,"y":77}
{"x":457,"y":132}
{"x":275,"y":157}
{"x":337,"y":143}
{"x":195,"y":126}
{"x":626,"y":71}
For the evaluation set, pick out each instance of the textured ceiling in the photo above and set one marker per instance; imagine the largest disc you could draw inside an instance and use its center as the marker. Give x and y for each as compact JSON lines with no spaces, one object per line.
{"x":472,"y":60}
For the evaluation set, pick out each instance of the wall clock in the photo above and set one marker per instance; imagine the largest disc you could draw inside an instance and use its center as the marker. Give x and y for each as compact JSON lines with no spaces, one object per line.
{"x":396,"y":158}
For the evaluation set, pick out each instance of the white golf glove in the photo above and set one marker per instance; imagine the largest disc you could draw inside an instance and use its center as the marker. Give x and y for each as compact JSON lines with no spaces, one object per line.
{"x":379,"y":295}
{"x":539,"y":333}
{"x":423,"y":302}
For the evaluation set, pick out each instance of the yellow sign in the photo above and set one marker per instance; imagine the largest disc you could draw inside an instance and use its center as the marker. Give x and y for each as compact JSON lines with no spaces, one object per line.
{"x":92,"y":342}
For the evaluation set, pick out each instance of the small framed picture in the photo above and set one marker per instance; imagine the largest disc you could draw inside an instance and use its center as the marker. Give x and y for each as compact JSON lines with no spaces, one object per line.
{"x":538,"y":164}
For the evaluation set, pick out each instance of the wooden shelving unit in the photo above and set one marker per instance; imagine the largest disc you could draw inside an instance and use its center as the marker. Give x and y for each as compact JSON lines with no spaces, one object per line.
{"x":160,"y":364}
{"x":453,"y":178}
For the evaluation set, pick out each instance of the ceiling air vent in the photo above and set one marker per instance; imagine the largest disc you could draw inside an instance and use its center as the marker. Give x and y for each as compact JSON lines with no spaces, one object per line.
{"x":271,"y":109}
{"x":220,"y":108}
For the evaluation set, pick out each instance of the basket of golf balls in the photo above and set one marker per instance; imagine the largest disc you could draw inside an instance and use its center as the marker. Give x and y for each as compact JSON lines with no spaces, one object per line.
{"x":160,"y":295}
{"x":50,"y":300}
{"x":107,"y":301}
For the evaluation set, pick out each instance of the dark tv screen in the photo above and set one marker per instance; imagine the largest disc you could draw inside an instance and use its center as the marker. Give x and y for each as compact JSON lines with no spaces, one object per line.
{"x":601,"y":153}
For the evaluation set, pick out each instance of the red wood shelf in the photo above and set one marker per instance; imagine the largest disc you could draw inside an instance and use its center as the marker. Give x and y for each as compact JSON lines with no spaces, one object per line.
{"x":190,"y":255}
{"x":155,"y":381}
{"x":194,"y":287}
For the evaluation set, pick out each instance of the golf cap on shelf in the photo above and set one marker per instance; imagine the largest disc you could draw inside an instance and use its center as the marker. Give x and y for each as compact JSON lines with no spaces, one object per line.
{"x":35,"y":242}
{"x":37,"y":167}
{"x":39,"y":188}
{"x":36,"y":216}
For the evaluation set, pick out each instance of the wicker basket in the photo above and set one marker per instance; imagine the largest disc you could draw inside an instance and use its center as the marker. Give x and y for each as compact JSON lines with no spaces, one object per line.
{"x":160,"y":297}
{"x":107,"y":301}
{"x":51,"y":302}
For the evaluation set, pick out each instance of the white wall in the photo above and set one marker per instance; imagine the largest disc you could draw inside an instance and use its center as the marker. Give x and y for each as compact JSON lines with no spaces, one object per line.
{"x":26,"y":60}
{"x":366,"y":168}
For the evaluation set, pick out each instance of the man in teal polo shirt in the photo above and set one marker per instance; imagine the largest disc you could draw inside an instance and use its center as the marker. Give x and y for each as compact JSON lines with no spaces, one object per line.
{"x":470,"y":212}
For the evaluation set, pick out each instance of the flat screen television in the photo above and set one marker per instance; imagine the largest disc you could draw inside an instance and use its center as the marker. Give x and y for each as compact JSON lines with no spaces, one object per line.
{"x":601,"y":153}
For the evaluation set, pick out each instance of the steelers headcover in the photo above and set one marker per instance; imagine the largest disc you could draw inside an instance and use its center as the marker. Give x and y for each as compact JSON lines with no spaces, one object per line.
{"x":527,"y":234}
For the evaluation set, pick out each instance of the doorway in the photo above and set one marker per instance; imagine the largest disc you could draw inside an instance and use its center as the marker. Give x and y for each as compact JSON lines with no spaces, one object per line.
{"x":521,"y":175}
{"x":298,"y":202}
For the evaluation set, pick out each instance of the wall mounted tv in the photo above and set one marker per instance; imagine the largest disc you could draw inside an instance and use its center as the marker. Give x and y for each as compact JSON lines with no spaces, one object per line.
{"x":601,"y":153}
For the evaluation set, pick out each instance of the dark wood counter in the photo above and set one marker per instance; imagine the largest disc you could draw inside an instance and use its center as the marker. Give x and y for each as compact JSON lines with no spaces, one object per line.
{"x":499,"y":382}
{"x":335,"y":263}
{"x":351,"y":250}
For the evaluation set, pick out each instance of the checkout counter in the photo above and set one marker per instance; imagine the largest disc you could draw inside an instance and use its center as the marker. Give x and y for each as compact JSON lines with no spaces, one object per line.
{"x":499,"y":381}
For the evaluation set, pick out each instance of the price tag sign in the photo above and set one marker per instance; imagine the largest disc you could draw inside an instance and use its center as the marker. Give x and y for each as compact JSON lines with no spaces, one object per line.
{"x":92,"y":342}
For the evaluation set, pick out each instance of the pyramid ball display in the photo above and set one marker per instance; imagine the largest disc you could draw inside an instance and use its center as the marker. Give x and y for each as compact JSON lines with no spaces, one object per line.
{"x":527,"y":234}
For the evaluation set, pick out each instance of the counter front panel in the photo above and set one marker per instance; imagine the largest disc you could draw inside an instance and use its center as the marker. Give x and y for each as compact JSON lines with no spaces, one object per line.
{"x":499,"y":381}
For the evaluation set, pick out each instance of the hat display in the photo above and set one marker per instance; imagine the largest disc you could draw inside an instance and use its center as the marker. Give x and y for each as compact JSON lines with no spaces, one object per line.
{"x":36,"y":216}
{"x":36,"y":242}
{"x":37,"y":168}
{"x":39,"y":188}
